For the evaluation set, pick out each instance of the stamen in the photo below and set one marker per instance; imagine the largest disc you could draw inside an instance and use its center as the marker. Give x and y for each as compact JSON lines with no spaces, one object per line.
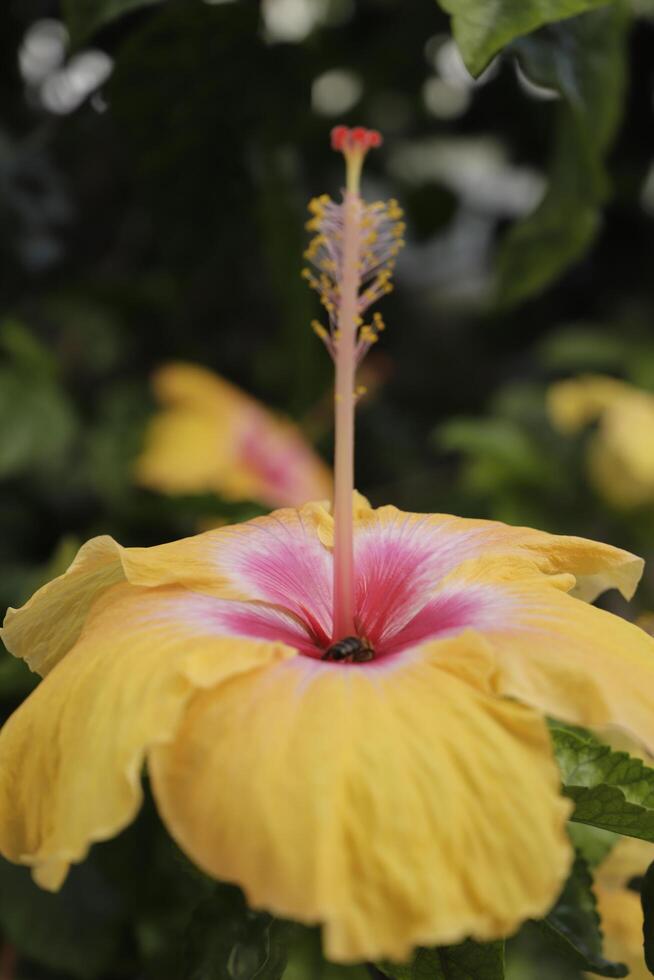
{"x":379,"y":240}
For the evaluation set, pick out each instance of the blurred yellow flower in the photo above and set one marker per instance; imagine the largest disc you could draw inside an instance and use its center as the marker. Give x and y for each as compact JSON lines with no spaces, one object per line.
{"x":400,"y":792}
{"x":619,"y":906}
{"x":621,"y":451}
{"x":212,"y":437}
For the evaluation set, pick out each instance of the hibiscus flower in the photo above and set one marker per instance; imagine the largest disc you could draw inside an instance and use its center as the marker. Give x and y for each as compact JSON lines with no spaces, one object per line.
{"x":342,"y":711}
{"x":212,"y":437}
{"x":620,"y":456}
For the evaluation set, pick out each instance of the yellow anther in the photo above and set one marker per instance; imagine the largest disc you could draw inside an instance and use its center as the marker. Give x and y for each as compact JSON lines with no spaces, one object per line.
{"x":317,"y":204}
{"x":367,"y":335}
{"x":380,"y":238}
{"x":318,"y":329}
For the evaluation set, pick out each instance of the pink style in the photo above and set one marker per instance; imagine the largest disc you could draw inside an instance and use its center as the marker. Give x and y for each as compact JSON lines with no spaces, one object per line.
{"x":354,"y":254}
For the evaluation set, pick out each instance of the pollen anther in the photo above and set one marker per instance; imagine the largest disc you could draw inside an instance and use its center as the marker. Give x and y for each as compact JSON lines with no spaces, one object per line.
{"x":381,"y":232}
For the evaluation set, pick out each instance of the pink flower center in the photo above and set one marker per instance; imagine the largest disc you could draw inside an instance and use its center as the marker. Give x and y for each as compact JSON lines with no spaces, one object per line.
{"x":400,"y":598}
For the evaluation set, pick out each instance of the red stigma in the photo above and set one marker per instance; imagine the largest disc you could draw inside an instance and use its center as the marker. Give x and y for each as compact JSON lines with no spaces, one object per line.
{"x":346,"y":140}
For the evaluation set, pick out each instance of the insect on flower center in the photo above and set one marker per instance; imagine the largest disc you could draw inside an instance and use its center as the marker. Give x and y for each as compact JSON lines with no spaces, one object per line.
{"x":350,"y":650}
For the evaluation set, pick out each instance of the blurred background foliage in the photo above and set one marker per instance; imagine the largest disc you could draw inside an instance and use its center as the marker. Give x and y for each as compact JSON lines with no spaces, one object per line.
{"x":155,"y":164}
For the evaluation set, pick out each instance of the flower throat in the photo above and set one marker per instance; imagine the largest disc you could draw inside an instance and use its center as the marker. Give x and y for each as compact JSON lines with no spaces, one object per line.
{"x":353,"y":255}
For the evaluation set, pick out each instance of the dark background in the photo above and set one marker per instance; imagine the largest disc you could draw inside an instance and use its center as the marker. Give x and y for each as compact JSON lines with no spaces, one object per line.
{"x":163,"y":218}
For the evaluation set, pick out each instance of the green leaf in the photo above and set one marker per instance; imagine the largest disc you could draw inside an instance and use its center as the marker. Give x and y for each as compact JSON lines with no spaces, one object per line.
{"x":592,"y":843}
{"x":469,"y":961}
{"x":501,"y":440}
{"x":26,"y":351}
{"x":36,"y":417}
{"x":77,"y":931}
{"x":584,"y":60}
{"x":584,"y":347}
{"x":610,"y":789}
{"x":226,"y":939}
{"x":85,"y":17}
{"x":647,"y":899}
{"x":483,"y":27}
{"x":573,"y":926}
{"x":114,"y":440}
{"x":29,"y":408}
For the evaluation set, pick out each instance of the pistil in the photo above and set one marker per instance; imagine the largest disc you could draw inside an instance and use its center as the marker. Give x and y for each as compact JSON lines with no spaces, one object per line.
{"x":354,"y":253}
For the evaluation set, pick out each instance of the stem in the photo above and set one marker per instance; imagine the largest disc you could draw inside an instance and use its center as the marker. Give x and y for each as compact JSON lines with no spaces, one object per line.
{"x":344,"y":399}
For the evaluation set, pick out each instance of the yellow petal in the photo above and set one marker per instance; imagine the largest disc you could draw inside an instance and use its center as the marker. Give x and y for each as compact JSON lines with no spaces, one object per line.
{"x":396,"y":806}
{"x":193,"y":385}
{"x":619,"y":906}
{"x":628,"y":859}
{"x":620,"y":461}
{"x":48,"y":625}
{"x":622,"y":923}
{"x":596,"y":566}
{"x":43,"y":630}
{"x":71,"y":755}
{"x":574,"y":661}
{"x":191,"y":443}
{"x":185,"y":453}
